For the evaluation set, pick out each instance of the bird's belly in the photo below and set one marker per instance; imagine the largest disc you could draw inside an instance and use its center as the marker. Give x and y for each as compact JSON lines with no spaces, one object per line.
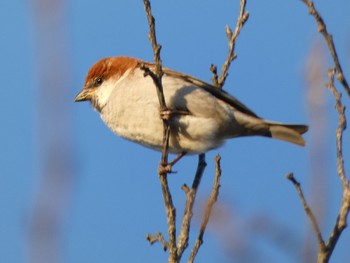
{"x":189,"y":134}
{"x":135,"y":115}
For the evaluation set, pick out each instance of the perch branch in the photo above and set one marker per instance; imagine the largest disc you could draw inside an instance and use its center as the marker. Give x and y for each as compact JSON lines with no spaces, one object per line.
{"x":157,"y":79}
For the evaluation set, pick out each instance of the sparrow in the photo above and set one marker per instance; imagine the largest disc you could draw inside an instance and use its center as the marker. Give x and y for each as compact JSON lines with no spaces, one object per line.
{"x":203,"y":116}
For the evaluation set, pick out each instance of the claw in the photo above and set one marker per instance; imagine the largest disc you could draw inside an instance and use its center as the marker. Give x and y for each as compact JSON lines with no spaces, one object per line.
{"x":166,"y":168}
{"x":166,"y":114}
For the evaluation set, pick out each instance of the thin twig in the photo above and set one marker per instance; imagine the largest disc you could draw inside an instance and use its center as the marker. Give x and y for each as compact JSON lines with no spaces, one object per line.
{"x":308,"y":211}
{"x":231,"y":55}
{"x":341,"y":222}
{"x":156,"y":51}
{"x":157,"y":79}
{"x":340,"y":225}
{"x":171,"y":217}
{"x":191,"y":193}
{"x":158,"y":238}
{"x":321,"y":26}
{"x":326,"y":251}
{"x":208,"y":209}
{"x":341,"y":127}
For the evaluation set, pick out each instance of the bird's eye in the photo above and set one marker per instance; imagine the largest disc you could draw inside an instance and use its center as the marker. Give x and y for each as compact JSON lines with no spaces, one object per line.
{"x":98,"y":81}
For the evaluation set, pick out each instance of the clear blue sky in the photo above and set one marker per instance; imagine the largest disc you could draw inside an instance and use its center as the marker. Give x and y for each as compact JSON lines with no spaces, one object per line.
{"x":113,"y":198}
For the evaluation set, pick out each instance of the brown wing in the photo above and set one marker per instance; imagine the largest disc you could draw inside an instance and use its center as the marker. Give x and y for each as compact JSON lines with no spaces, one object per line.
{"x":219,"y":93}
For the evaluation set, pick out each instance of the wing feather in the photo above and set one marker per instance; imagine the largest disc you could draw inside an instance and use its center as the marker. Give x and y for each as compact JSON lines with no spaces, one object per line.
{"x":218,"y":93}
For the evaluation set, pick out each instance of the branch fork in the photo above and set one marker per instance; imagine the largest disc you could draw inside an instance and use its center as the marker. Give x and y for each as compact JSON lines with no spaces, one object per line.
{"x":176,"y":249}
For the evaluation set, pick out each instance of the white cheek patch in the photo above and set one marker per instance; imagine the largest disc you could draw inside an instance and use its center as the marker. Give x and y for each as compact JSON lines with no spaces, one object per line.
{"x":104,"y":91}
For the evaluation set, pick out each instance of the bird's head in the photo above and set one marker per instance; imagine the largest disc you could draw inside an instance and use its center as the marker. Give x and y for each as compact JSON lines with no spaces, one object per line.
{"x":103,"y":77}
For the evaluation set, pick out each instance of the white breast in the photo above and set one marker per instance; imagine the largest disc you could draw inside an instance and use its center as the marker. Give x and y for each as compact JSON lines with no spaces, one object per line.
{"x":132,"y":111}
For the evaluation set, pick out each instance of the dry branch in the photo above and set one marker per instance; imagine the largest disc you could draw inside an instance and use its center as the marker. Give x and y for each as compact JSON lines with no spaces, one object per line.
{"x":208,"y":209}
{"x":231,"y":55}
{"x":176,"y":251}
{"x":321,"y":27}
{"x":341,"y":128}
{"x":326,"y":249}
{"x":157,"y":79}
{"x":308,"y":210}
{"x":158,"y":238}
{"x":190,"y":199}
{"x":341,"y":222}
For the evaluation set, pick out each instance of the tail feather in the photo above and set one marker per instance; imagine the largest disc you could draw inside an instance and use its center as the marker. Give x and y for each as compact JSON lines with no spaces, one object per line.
{"x":288,"y":132}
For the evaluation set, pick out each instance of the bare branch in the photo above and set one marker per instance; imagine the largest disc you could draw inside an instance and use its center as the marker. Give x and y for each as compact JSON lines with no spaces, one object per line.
{"x":340,"y":225}
{"x":190,"y":199}
{"x":321,"y":26}
{"x":325,"y":250}
{"x":171,"y":217}
{"x":175,"y":252}
{"x":215,"y":78}
{"x":211,"y":201}
{"x":308,"y":211}
{"x":156,"y":47}
{"x":341,"y":127}
{"x":157,"y":79}
{"x":231,"y":55}
{"x":158,"y":238}
{"x":341,"y":222}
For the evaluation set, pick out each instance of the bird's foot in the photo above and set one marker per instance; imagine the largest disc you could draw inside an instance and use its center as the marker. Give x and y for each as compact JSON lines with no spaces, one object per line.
{"x":166,"y":114}
{"x":166,"y":168}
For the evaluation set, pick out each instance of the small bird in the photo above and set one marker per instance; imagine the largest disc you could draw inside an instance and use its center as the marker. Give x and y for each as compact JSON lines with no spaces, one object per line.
{"x":203,"y":116}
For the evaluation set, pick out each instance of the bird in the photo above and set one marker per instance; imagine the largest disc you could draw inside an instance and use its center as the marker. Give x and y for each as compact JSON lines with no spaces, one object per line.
{"x":203,"y":116}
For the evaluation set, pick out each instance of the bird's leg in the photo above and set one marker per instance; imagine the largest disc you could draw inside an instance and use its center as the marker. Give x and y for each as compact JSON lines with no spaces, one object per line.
{"x":166,"y":167}
{"x":177,"y":158}
{"x":168,"y":113}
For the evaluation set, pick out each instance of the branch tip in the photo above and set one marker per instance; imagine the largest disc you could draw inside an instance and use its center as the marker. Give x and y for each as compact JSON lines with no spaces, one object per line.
{"x":232,"y":37}
{"x":158,"y":238}
{"x":228,"y":32}
{"x":185,"y":188}
{"x":291,"y":178}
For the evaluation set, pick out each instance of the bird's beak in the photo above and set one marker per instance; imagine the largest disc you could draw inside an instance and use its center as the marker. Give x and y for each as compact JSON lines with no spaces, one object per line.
{"x":85,"y":94}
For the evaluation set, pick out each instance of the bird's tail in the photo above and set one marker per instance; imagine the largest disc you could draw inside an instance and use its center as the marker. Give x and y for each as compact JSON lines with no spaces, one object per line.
{"x":287,"y":132}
